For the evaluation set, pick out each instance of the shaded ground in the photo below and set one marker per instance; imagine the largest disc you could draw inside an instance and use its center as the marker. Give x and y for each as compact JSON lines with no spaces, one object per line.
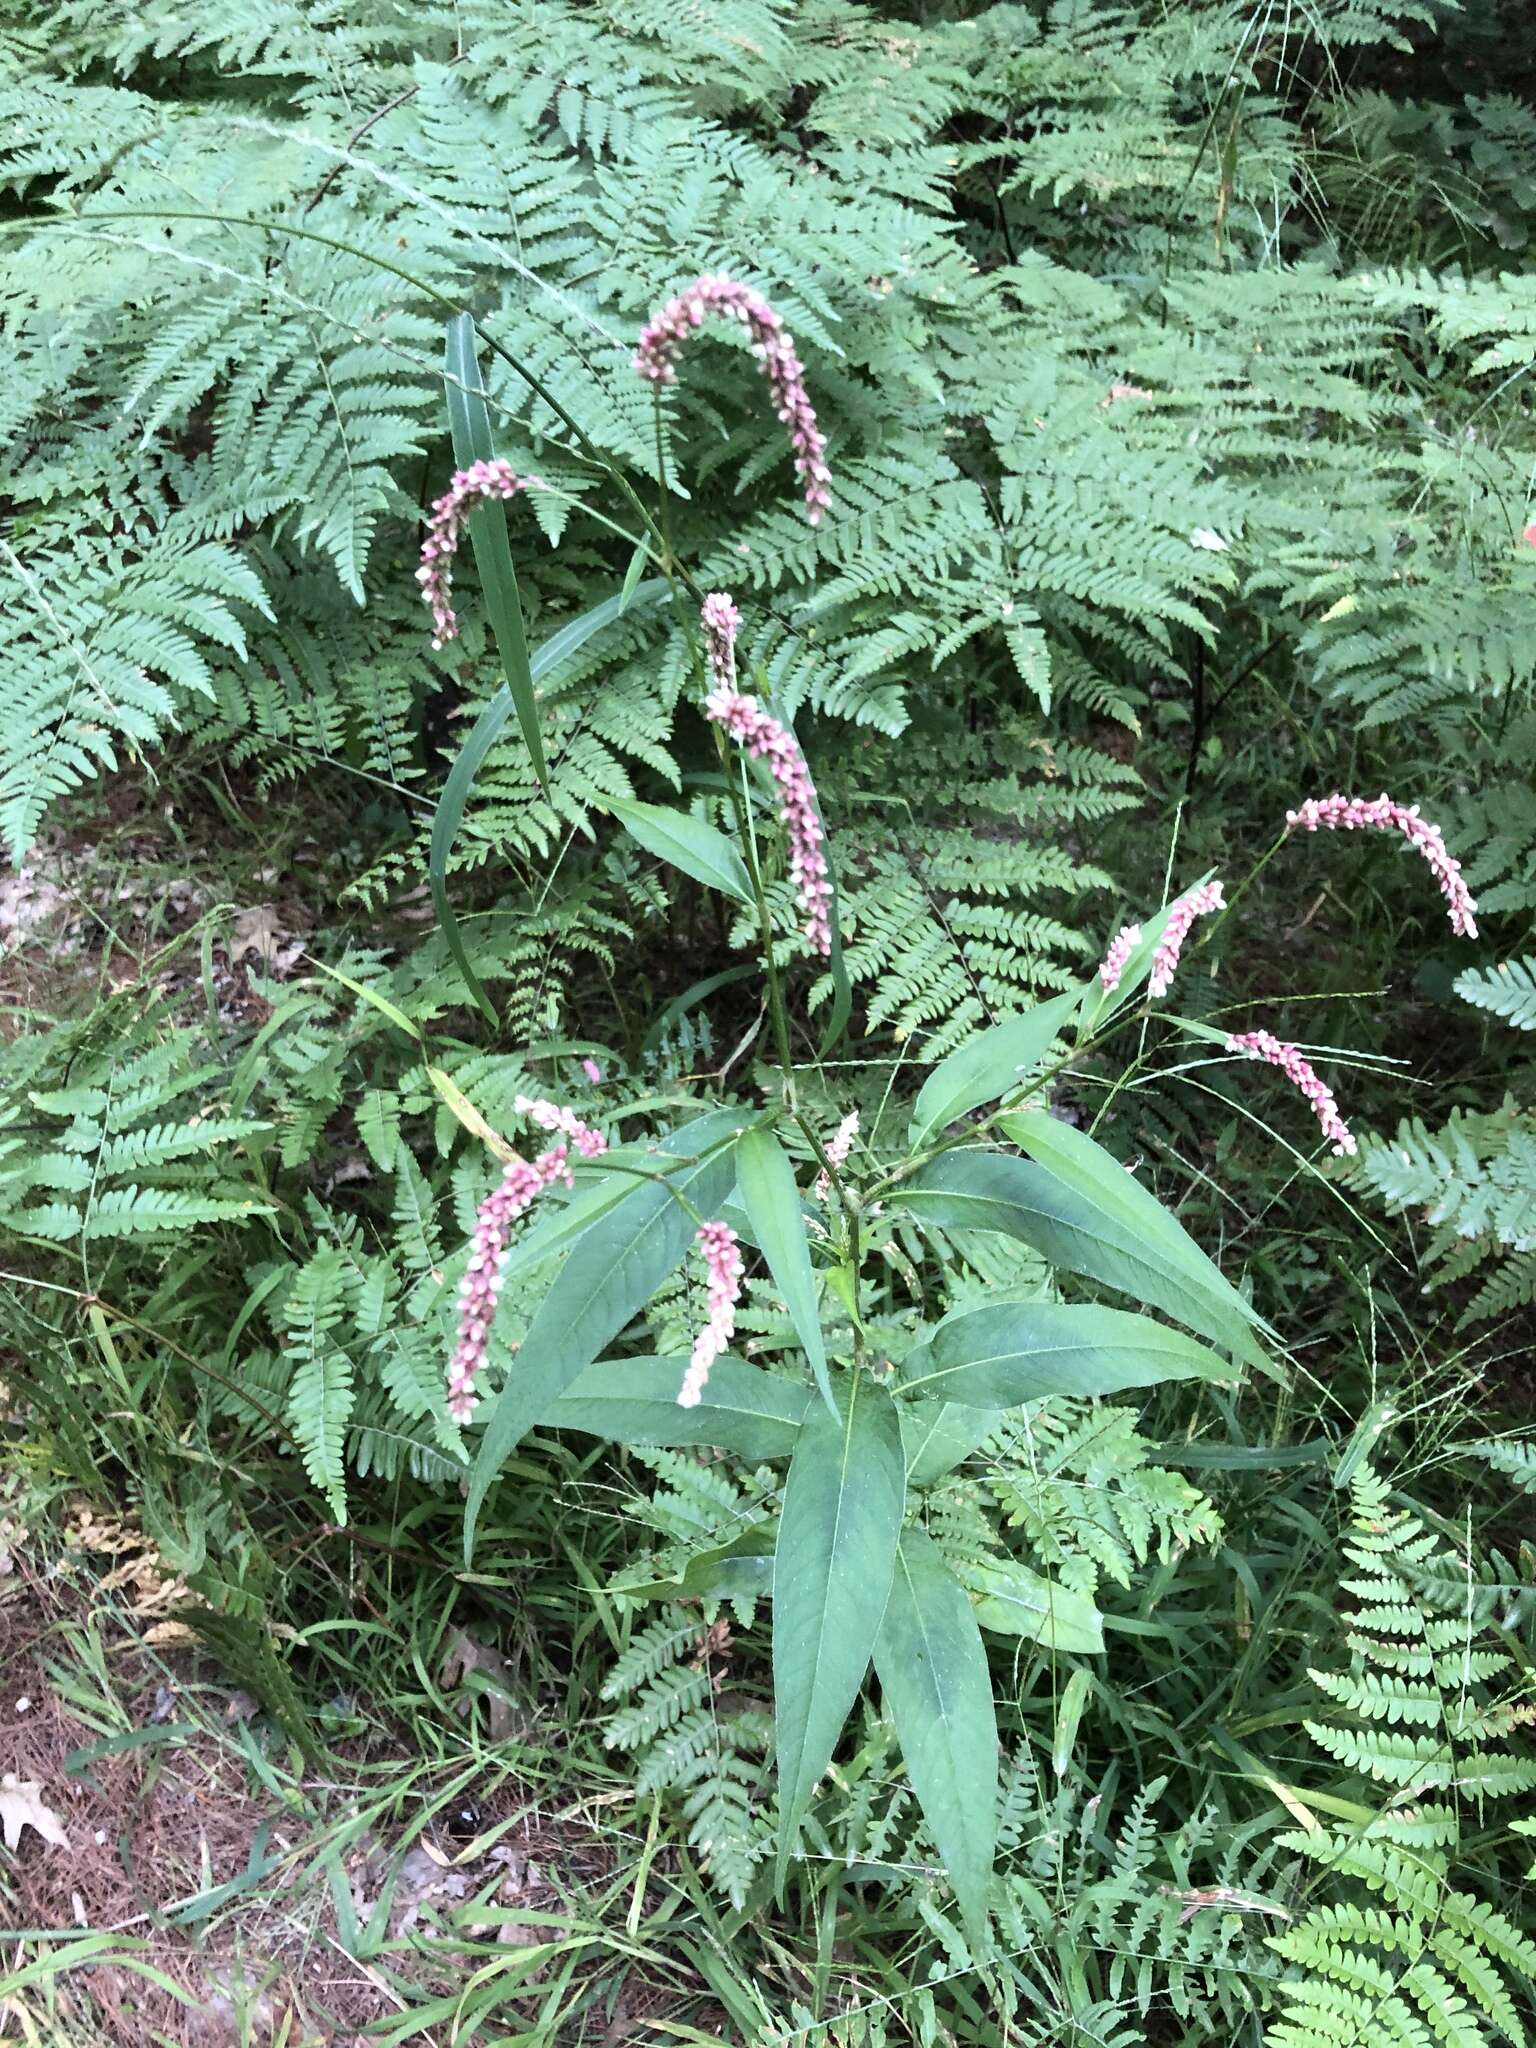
{"x":210,"y":1886}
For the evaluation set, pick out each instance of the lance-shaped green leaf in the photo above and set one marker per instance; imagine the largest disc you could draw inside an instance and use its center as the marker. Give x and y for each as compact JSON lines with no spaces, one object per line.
{"x":833,"y":1564}
{"x":932,"y":1667}
{"x":766,"y":1182}
{"x":1136,"y":1215}
{"x":938,"y":1436}
{"x":686,"y":842}
{"x":741,"y":1568}
{"x":555,"y":1229}
{"x":989,"y":1065}
{"x":469,"y":421}
{"x":981,"y":1190}
{"x":1011,"y":1600}
{"x":469,"y":760}
{"x":1005,"y":1352}
{"x":634,"y":1401}
{"x":611,"y":1272}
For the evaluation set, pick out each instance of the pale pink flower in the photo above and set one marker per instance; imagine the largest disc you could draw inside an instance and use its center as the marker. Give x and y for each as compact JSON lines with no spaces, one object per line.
{"x":1355,"y":813}
{"x":550,"y":1116}
{"x":518,"y":1188}
{"x":1121,"y":947}
{"x":762,"y":735}
{"x":1262,"y":1045}
{"x":593,"y":1072}
{"x":721,"y":622}
{"x":1117,"y":392}
{"x":665,"y":334}
{"x":1195,"y":903}
{"x":1529,"y":535}
{"x":722,"y":1257}
{"x":477,"y":485}
{"x":839,"y":1145}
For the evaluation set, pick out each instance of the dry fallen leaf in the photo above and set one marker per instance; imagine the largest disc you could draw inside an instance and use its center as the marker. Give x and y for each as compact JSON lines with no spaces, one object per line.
{"x":260,"y":931}
{"x":461,"y":1657}
{"x":21,"y":1806}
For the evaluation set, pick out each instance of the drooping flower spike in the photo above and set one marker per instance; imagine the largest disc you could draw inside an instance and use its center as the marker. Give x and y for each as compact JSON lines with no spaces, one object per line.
{"x":722,"y":1257}
{"x":519,"y":1187}
{"x":666,"y":333}
{"x":1262,"y":1045}
{"x":1356,"y":813}
{"x":1196,"y":903}
{"x":762,"y":735}
{"x":551,"y":1116}
{"x":477,"y":485}
{"x":1121,"y":947}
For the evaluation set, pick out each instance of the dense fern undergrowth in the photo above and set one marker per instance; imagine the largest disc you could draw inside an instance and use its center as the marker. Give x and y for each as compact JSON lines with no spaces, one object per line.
{"x":1176,"y":362}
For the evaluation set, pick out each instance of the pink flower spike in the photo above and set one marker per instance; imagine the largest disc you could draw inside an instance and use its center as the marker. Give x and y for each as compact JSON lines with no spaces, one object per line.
{"x":1529,"y":535}
{"x":720,"y":622}
{"x":477,"y":485}
{"x":1196,"y":903}
{"x":549,"y":1116}
{"x":517,"y":1190}
{"x":1261,"y":1045}
{"x":593,"y":1072}
{"x":722,"y":1256}
{"x":753,"y":728}
{"x":839,"y":1145}
{"x":666,"y":333}
{"x":1355,"y":813}
{"x":1121,"y":947}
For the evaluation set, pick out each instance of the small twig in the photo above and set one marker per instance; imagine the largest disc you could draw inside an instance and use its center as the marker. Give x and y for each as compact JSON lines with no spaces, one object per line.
{"x":357,"y":135}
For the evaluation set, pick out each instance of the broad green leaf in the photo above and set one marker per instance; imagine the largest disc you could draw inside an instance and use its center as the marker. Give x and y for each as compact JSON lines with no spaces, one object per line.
{"x":988,"y":1066}
{"x":634,"y":1401}
{"x":1011,"y":1600}
{"x":744,"y":1566}
{"x":938,"y":1436}
{"x":557,"y":1229}
{"x":1005,"y":1352}
{"x":982,"y":1190}
{"x":687,"y":843}
{"x":833,"y":1564}
{"x":932,"y":1667}
{"x":1083,"y":1165}
{"x":470,"y":758}
{"x":611,"y":1272}
{"x":766,"y":1183}
{"x":469,"y":421}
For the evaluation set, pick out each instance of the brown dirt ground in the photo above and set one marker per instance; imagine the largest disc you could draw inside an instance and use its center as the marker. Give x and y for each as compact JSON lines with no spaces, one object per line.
{"x":157,"y":1825}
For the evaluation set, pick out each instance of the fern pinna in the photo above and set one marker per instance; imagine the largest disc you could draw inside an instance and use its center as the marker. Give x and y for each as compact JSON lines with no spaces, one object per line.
{"x":1429,"y":1735}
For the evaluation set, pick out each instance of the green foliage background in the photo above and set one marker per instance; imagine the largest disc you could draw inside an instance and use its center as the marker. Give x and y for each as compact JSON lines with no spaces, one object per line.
{"x":1177,"y":366}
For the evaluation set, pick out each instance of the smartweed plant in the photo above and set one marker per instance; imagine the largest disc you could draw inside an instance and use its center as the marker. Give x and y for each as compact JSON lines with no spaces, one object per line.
{"x":860,"y":1248}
